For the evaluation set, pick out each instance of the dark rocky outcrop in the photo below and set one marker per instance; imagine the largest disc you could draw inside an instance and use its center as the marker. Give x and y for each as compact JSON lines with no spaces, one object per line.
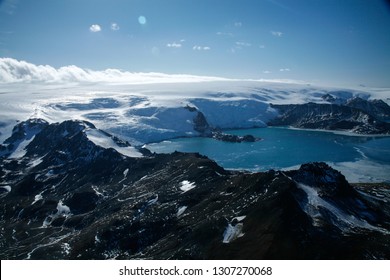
{"x":376,"y":108}
{"x":24,"y":131}
{"x":202,"y":126}
{"x":329,"y":117}
{"x":218,"y":135}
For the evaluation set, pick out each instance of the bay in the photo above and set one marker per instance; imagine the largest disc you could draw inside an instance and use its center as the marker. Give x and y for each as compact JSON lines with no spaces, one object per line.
{"x":359,"y":158}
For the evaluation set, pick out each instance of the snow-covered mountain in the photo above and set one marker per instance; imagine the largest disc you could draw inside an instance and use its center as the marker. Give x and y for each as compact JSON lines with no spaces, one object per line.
{"x":76,"y":192}
{"x":142,"y":113}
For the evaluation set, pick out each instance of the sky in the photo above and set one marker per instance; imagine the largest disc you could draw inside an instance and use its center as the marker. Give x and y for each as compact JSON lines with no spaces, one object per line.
{"x":328,"y":42}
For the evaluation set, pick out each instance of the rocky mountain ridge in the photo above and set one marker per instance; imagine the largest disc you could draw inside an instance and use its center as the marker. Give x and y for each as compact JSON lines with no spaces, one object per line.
{"x":354,"y":115}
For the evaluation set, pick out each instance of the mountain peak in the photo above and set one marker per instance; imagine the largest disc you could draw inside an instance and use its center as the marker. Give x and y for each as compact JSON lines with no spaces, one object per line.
{"x":328,"y":181}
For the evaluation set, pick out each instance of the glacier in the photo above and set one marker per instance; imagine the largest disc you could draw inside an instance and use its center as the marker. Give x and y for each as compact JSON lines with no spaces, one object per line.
{"x":145,"y":113}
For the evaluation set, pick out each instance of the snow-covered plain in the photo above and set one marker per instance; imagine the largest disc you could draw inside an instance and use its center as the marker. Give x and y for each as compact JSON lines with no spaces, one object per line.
{"x":143,"y":113}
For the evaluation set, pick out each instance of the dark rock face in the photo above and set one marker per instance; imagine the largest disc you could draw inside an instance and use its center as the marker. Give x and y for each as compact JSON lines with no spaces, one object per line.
{"x":202,"y":126}
{"x":376,"y":108}
{"x":24,"y":131}
{"x":81,"y":201}
{"x":233,"y":138}
{"x":328,"y":181}
{"x":330,"y":117}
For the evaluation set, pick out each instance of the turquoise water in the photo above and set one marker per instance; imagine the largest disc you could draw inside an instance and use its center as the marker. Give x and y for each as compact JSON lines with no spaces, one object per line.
{"x":363,"y":158}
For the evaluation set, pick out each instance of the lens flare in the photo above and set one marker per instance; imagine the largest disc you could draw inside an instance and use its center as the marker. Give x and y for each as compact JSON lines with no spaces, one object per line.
{"x":142,"y":20}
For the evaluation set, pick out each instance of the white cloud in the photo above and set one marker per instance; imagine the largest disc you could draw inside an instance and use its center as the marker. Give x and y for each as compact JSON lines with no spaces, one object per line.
{"x":95,"y":28}
{"x":174,"y":45}
{"x":262,"y":46}
{"x":284,"y":69}
{"x":115,"y":26}
{"x":225,"y":34}
{"x":277,"y":33}
{"x":243,"y":44}
{"x":201,"y":48}
{"x":15,"y":71}
{"x":238,"y":24}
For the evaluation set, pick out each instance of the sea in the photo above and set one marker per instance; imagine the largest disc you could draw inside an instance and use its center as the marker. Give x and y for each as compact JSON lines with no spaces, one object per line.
{"x":359,"y":158}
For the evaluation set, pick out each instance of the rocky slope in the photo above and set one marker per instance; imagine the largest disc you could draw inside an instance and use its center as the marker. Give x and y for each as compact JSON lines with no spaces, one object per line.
{"x":357,"y":115}
{"x":206,"y":130}
{"x":67,"y":194}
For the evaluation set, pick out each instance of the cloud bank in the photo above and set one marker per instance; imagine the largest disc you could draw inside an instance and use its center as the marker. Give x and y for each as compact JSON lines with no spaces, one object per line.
{"x":13,"y":71}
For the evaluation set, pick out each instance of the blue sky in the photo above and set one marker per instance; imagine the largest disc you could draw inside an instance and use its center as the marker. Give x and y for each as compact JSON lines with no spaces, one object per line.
{"x":331,"y":42}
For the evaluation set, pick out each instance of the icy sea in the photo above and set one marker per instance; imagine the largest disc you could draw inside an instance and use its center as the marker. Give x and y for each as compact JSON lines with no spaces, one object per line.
{"x":359,"y":158}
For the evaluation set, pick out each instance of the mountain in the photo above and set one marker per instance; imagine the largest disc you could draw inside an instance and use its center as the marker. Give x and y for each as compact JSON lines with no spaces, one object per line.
{"x":73,"y":191}
{"x":349,"y":117}
{"x":376,"y":108}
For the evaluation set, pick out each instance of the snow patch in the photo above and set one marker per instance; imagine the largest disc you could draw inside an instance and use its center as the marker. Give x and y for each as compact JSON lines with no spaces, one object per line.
{"x":181,"y":210}
{"x":51,"y":241}
{"x":35,"y":162}
{"x":346,"y":222}
{"x":20,"y":150}
{"x":101,"y":139}
{"x":239,"y":218}
{"x":185,"y":186}
{"x":153,"y":200}
{"x":37,"y":198}
{"x":62,"y":209}
{"x":49,"y":173}
{"x":97,"y":191}
{"x":6,"y":187}
{"x":66,"y":248}
{"x":233,"y":232}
